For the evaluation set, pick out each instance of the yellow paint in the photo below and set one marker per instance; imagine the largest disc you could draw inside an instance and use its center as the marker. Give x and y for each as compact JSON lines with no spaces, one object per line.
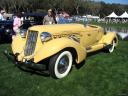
{"x":87,"y":36}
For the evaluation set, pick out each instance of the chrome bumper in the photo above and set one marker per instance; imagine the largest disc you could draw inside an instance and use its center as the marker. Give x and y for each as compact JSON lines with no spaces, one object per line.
{"x":28,"y":63}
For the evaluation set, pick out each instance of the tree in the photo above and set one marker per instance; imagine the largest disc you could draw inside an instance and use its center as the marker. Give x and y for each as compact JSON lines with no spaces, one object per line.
{"x":78,"y":7}
{"x":77,"y":4}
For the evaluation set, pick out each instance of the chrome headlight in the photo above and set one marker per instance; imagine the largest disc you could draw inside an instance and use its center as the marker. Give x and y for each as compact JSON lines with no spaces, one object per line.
{"x":45,"y":36}
{"x":23,"y":33}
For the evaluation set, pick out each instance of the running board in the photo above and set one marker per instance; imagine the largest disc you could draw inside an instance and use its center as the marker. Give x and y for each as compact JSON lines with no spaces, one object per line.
{"x":94,"y":48}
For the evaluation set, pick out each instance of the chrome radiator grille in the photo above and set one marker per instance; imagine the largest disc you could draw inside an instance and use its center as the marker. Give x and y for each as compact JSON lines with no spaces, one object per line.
{"x":30,"y":43}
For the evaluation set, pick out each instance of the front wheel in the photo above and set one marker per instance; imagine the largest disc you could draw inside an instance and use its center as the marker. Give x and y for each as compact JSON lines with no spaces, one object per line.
{"x":60,"y":64}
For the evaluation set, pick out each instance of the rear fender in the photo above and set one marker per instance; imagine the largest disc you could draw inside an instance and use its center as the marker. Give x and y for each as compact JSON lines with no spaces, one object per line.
{"x":108,"y":38}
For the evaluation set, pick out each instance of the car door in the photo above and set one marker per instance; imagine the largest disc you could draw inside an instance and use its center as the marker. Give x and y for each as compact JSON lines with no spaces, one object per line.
{"x":89,"y":37}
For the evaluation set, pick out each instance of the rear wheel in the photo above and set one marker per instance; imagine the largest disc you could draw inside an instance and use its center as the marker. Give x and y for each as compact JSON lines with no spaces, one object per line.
{"x":60,"y":64}
{"x":112,"y":47}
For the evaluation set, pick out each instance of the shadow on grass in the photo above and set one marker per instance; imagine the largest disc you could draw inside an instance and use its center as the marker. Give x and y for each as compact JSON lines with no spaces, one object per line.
{"x":46,"y":73}
{"x":34,"y":71}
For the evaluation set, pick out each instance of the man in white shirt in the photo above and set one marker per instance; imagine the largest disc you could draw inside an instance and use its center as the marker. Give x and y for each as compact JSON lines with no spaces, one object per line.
{"x":1,"y":15}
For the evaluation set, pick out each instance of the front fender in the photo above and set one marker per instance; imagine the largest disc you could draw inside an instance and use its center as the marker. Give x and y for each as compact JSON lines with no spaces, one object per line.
{"x":18,"y":44}
{"x":52,"y":47}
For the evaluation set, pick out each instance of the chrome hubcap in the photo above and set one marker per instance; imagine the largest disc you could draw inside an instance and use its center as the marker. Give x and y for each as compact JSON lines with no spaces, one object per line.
{"x":63,"y":64}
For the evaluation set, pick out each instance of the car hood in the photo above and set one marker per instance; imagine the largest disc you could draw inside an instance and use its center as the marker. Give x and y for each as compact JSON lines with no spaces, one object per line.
{"x":59,"y":28}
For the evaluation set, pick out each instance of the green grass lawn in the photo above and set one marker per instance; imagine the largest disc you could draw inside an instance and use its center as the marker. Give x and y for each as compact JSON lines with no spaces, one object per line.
{"x":103,"y":74}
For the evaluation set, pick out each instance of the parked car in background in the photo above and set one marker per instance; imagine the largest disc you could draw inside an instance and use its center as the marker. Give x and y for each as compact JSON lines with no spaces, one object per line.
{"x":29,"y":19}
{"x":60,"y":45}
{"x":6,"y":31}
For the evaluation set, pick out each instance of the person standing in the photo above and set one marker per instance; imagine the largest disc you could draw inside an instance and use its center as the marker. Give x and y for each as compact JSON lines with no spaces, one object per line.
{"x":1,"y":15}
{"x":17,"y":24}
{"x":49,"y":19}
{"x":60,"y":17}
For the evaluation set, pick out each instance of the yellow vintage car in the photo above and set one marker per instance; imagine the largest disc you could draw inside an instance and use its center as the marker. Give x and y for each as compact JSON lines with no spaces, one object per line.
{"x":60,"y":45}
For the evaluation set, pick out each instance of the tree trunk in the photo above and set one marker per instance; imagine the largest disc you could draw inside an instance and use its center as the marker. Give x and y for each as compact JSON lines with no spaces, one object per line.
{"x":77,"y":10}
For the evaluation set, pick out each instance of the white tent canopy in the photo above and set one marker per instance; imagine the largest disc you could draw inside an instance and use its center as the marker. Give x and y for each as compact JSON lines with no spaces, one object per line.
{"x":91,"y":17}
{"x":112,"y":15}
{"x":124,"y":15}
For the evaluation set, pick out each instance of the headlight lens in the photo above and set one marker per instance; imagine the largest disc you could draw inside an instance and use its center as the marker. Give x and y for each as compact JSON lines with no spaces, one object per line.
{"x":45,"y":36}
{"x":23,"y":33}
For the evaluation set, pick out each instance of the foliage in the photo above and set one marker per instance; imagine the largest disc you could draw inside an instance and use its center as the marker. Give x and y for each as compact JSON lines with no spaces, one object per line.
{"x":73,"y":7}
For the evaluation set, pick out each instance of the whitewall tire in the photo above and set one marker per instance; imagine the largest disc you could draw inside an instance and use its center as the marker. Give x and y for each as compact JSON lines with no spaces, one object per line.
{"x":112,"y":47}
{"x":60,"y":64}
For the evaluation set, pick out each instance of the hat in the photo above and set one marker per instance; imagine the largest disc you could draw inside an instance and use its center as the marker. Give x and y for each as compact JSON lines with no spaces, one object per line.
{"x":49,"y":10}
